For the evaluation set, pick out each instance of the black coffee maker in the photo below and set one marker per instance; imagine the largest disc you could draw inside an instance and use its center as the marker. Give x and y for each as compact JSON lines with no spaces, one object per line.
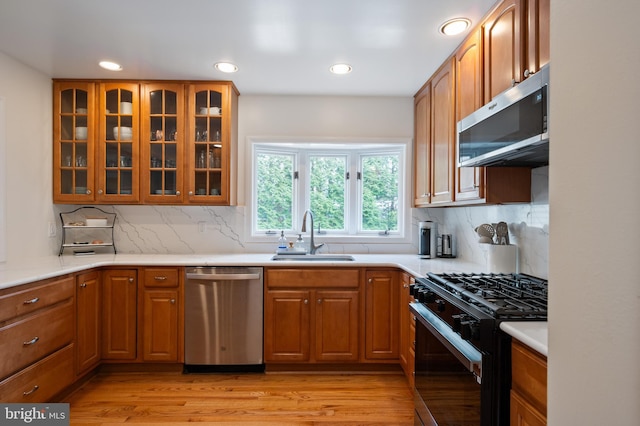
{"x":427,"y":239}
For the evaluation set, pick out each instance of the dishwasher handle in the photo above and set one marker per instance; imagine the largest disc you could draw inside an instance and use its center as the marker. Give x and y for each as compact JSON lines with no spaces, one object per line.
{"x":223,"y":277}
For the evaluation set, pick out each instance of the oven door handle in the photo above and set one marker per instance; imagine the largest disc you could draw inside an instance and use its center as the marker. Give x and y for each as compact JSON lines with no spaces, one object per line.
{"x":469,"y":356}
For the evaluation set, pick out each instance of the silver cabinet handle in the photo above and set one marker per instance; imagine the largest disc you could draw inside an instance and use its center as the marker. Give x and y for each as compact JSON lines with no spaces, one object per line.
{"x":319,"y":301}
{"x":33,"y":389}
{"x":31,"y":342}
{"x":173,"y":301}
{"x":31,"y":301}
{"x":190,"y":192}
{"x":130,"y":279}
{"x":83,"y":285}
{"x":306,"y":301}
{"x":223,"y":277}
{"x":100,"y":191}
{"x":158,"y":278}
{"x":177,"y":192}
{"x":88,"y":192}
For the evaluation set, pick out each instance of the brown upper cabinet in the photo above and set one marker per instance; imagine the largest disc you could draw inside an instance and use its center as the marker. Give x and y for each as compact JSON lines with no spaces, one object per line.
{"x":118,"y":142}
{"x":503,"y":46}
{"x":434,"y":140}
{"x":74,"y":134}
{"x":162,"y":143}
{"x":510,"y":44}
{"x":468,"y":59}
{"x":537,"y":52}
{"x":422,"y":147}
{"x":516,"y":43}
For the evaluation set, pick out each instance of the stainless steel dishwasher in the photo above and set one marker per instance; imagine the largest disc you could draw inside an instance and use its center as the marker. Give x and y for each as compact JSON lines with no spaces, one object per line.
{"x":223,"y":319}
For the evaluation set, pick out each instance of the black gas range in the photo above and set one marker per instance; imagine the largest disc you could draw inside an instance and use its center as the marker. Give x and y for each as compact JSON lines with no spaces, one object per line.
{"x":463,"y":360}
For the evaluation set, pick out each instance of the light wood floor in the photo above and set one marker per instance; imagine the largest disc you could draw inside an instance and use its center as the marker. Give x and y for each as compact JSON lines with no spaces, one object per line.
{"x":246,"y":399}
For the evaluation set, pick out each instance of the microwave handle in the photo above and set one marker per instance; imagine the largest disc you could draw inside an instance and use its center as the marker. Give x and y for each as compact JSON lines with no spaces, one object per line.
{"x":469,"y":356}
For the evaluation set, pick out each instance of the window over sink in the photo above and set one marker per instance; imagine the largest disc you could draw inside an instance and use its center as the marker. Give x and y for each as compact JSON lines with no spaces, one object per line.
{"x":356,"y":189}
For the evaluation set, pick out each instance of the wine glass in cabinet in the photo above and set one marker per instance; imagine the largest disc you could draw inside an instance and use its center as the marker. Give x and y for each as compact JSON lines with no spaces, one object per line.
{"x":162,"y":143}
{"x":74,"y":131}
{"x":118,"y":143}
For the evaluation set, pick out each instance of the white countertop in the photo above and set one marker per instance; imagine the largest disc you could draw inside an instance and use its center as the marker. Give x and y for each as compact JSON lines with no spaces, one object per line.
{"x":34,"y":269}
{"x":532,"y":333}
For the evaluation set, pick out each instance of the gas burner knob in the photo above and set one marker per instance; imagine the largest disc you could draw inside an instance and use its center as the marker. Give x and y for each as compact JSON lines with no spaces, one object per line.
{"x":469,"y":330}
{"x":413,"y":289}
{"x":425,"y":295}
{"x":441,"y":305}
{"x":457,"y":321}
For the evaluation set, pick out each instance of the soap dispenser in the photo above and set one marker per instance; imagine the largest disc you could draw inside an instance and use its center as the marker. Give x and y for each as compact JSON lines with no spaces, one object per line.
{"x":282,"y":243}
{"x":300,"y":244}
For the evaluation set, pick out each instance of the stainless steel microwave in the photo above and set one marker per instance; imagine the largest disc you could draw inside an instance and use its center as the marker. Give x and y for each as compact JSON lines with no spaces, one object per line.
{"x":511,"y":130}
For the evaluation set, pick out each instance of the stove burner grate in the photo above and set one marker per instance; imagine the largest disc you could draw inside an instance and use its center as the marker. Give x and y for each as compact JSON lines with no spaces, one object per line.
{"x":500,"y":295}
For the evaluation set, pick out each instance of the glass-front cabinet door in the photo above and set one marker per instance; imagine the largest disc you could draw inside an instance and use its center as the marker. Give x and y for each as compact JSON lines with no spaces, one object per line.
{"x":118,"y":143}
{"x":162,"y":143}
{"x":73,"y":140}
{"x":211,"y":109}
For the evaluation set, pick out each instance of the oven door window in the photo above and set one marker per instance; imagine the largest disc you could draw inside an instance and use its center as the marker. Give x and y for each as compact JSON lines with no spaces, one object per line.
{"x":449,"y":390}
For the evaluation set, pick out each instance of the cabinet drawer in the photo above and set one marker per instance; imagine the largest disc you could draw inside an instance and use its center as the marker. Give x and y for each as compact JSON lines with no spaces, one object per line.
{"x":35,"y":336}
{"x":161,"y":277}
{"x":529,"y":375}
{"x":34,"y":297}
{"x":40,"y":381}
{"x":306,"y":278}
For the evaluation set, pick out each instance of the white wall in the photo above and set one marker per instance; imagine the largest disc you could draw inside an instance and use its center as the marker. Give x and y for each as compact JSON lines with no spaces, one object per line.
{"x":28,"y":102}
{"x":3,"y":186}
{"x":594,"y":301}
{"x":321,"y":116}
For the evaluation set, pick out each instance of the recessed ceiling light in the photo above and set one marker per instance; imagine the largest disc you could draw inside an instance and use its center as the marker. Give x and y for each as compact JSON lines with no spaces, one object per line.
{"x":226,"y":67}
{"x":455,"y":26}
{"x":340,"y":69}
{"x":111,"y":66}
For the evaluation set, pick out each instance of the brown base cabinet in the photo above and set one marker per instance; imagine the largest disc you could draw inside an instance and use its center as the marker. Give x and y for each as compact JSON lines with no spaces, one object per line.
{"x":37,"y":323}
{"x":161,"y":313}
{"x":407,"y":330}
{"x":287,"y":326}
{"x":382,"y":314}
{"x":528,"y":386}
{"x":119,"y":314}
{"x":88,"y":328}
{"x":311,"y":315}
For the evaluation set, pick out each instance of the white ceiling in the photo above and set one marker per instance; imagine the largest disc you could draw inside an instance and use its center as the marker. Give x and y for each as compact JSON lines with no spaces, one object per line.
{"x":280,"y":46}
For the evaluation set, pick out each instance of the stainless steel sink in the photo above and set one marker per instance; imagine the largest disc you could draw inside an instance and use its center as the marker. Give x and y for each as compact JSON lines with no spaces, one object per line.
{"x":314,"y":257}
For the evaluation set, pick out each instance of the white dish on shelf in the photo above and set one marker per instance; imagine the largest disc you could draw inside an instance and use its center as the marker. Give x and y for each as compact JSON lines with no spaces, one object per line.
{"x":126,"y":107}
{"x":122,"y":132}
{"x":210,"y":111}
{"x":81,"y":189}
{"x":96,"y":221}
{"x":81,"y":110}
{"x":81,"y":133}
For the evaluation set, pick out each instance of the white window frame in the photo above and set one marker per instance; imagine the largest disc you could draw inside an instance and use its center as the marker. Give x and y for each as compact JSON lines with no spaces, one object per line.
{"x":334,"y":145}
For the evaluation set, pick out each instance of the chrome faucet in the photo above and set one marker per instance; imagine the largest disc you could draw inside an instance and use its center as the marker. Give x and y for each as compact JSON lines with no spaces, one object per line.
{"x":312,"y":247}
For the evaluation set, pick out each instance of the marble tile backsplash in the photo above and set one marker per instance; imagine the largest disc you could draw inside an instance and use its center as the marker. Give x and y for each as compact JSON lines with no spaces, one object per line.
{"x":204,"y":229}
